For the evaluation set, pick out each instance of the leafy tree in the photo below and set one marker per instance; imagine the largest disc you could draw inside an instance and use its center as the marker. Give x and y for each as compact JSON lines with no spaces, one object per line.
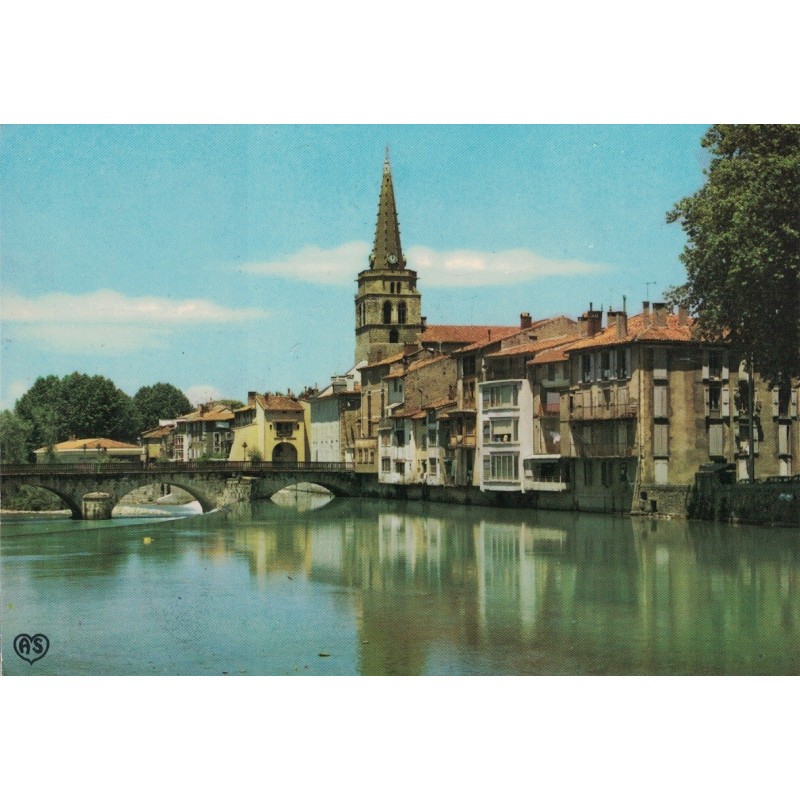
{"x":14,"y":433}
{"x":160,"y":401}
{"x":33,"y":498}
{"x":231,"y":404}
{"x":77,"y":405}
{"x":743,"y":255}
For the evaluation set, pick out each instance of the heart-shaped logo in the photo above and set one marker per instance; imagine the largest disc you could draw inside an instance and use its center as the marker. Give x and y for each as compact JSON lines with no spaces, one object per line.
{"x":31,"y":648}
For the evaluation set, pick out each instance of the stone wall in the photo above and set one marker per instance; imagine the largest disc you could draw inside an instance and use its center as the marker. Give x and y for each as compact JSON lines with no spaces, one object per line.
{"x":760,"y":503}
{"x":669,"y":501}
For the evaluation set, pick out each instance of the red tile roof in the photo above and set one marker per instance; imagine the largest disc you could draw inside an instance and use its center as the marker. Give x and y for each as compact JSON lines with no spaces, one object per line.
{"x":158,"y":433}
{"x":465,"y":334}
{"x":529,"y":348}
{"x":277,"y":402}
{"x":550,"y":356}
{"x":442,"y":402}
{"x":90,"y":444}
{"x":673,"y":331}
{"x":499,"y":334}
{"x":388,"y":360}
{"x":399,"y":370}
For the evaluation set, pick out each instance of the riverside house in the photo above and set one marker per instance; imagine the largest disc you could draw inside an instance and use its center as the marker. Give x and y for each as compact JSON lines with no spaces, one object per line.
{"x":272,"y":428}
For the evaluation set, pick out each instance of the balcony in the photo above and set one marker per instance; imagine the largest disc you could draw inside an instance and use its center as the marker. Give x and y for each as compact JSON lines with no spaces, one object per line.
{"x":462,"y":440}
{"x":600,"y":412}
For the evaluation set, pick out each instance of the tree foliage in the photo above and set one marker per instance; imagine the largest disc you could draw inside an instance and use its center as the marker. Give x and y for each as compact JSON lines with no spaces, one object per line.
{"x":160,"y":401}
{"x":14,"y":434}
{"x":743,"y":253}
{"x":77,"y":405}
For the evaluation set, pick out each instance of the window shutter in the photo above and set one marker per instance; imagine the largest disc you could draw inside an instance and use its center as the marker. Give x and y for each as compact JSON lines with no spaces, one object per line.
{"x":725,"y":371}
{"x":706,"y":400}
{"x":660,"y":439}
{"x":660,"y":405}
{"x":715,"y":439}
{"x":784,"y":439}
{"x":725,"y":404}
{"x":793,"y":403}
{"x":705,"y":365}
{"x":775,"y":401}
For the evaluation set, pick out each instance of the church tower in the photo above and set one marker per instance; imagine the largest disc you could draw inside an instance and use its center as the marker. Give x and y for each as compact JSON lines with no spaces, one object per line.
{"x":388,"y":304}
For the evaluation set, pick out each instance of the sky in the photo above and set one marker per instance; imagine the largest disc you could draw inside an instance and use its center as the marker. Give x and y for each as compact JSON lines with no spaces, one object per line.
{"x":223,"y":258}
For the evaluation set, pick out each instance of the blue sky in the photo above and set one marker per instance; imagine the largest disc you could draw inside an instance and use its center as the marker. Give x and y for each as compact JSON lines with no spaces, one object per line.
{"x":223,"y":258}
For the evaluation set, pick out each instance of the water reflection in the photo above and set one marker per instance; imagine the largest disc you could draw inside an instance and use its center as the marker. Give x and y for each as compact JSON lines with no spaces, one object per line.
{"x":426,"y":588}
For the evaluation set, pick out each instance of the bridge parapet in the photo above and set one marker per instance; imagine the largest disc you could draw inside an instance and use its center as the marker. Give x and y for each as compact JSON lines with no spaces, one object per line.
{"x":213,"y":484}
{"x":157,"y":467}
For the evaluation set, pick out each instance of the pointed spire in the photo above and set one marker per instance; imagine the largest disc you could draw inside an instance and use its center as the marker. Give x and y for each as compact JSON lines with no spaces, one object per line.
{"x":387,"y":251}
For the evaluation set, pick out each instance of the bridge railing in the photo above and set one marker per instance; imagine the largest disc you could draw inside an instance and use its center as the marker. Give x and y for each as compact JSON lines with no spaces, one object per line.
{"x":160,"y":467}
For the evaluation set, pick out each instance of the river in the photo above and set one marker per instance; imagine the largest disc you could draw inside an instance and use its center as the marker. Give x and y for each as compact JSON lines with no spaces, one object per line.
{"x":380,"y":588}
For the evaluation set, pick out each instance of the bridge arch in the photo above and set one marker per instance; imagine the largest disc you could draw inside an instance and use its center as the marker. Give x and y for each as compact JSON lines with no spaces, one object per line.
{"x":65,"y":497}
{"x":157,"y":489}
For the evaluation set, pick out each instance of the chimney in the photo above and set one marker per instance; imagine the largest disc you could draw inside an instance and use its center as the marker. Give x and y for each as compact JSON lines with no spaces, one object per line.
{"x":424,"y":325}
{"x":524,"y":320}
{"x":619,"y":319}
{"x":595,"y":321}
{"x":646,"y":314}
{"x":659,"y":315}
{"x":251,"y":398}
{"x":683,"y":315}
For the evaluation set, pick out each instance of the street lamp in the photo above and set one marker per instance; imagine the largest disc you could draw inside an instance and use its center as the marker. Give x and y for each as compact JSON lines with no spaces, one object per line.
{"x":244,"y":447}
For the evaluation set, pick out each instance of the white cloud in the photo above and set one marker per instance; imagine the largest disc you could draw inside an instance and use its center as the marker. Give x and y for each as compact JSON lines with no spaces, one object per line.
{"x":448,"y":268}
{"x":202,"y":394}
{"x":99,"y":338}
{"x":106,"y":305}
{"x":337,"y":266}
{"x":108,"y":322}
{"x":499,"y":268}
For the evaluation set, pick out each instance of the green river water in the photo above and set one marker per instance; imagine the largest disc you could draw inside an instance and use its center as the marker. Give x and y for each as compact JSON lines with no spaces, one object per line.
{"x":362,"y":587}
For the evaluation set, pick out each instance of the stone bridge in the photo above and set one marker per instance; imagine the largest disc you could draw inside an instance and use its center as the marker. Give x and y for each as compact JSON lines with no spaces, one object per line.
{"x":212,"y":484}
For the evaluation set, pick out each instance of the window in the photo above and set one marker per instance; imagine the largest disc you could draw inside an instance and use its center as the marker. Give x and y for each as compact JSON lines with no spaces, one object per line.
{"x":659,"y":364}
{"x":434,"y":465}
{"x":394,"y":336}
{"x":400,"y":467}
{"x":662,"y":471}
{"x":387,"y":313}
{"x":468,"y":366}
{"x":386,"y":465}
{"x":401,"y":313}
{"x":504,"y":395}
{"x":715,"y":365}
{"x":399,"y":434}
{"x":586,"y":367}
{"x":551,"y":371}
{"x":501,"y":430}
{"x":605,"y":365}
{"x":179,"y":448}
{"x":283,"y":430}
{"x":501,"y":467}
{"x":587,"y":473}
{"x":714,"y":398}
{"x":624,"y":363}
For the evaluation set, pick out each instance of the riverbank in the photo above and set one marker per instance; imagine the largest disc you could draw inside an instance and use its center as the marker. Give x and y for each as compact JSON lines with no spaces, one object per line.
{"x":9,"y":515}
